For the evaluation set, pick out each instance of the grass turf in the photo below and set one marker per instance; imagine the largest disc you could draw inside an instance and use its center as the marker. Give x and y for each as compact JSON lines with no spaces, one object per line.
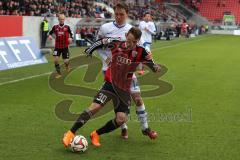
{"x":204,"y":73}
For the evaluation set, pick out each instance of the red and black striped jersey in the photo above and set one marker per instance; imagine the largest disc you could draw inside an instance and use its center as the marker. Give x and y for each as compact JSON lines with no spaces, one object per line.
{"x":62,"y":32}
{"x":123,"y":63}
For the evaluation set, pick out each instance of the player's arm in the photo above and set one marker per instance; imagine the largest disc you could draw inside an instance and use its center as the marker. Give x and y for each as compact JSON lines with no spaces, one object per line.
{"x":101,"y":34}
{"x":148,"y":60}
{"x":51,"y":32}
{"x":141,"y":26}
{"x":151,"y":29}
{"x":101,"y":43}
{"x":102,"y":53}
{"x":71,"y":34}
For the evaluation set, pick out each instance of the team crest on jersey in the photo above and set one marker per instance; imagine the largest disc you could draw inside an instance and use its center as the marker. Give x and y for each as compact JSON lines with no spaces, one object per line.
{"x":134,"y":54}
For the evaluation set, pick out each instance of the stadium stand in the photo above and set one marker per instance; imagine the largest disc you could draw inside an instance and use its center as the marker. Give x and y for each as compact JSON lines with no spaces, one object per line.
{"x":215,"y":9}
{"x":87,"y":15}
{"x":83,"y":9}
{"x":73,"y":8}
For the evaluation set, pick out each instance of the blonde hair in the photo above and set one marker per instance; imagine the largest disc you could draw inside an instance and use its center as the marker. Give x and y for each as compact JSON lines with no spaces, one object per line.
{"x":61,"y":16}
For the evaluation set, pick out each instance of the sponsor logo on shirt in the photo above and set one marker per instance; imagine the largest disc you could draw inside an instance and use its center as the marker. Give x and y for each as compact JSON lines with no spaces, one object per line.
{"x":123,"y":60}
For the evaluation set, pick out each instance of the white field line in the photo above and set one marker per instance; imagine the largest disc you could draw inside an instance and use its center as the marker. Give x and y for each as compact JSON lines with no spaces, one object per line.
{"x":48,"y":73}
{"x":178,"y":44}
{"x":25,"y":78}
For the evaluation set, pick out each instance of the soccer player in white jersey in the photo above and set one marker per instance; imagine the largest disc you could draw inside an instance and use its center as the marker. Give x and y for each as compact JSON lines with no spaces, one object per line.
{"x":148,"y":29}
{"x":118,"y":29}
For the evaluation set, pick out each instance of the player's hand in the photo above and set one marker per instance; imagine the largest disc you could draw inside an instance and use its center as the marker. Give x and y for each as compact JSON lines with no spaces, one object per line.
{"x":157,"y":68}
{"x":50,"y":37}
{"x":146,"y":29}
{"x":70,"y":40}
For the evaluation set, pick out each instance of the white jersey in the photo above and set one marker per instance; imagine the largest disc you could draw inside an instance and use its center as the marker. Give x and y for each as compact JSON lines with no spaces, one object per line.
{"x":111,"y":29}
{"x":147,"y":36}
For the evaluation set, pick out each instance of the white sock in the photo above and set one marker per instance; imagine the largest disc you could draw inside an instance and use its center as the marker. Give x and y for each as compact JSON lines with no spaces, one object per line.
{"x":124,"y":126}
{"x":142,"y":116}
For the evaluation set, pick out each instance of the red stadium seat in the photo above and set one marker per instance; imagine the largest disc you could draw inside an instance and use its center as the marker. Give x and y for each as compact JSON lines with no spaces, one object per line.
{"x":214,"y":9}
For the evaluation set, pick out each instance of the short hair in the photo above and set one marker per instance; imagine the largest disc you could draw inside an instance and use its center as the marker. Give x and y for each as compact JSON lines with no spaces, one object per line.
{"x":121,"y":6}
{"x":136,"y":32}
{"x":61,"y":15}
{"x":146,"y":14}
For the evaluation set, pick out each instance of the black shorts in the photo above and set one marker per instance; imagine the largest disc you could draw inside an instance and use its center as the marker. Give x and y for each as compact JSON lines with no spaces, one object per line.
{"x":121,"y":99}
{"x":64,"y":52}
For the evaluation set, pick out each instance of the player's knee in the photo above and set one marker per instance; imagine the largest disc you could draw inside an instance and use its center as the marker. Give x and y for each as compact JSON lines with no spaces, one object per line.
{"x":121,"y":118}
{"x":94,"y":108}
{"x":56,"y":61}
{"x":138,"y":99}
{"x":66,"y":61}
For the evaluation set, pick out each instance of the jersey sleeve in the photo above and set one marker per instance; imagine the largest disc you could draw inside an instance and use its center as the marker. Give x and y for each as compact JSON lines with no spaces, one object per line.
{"x":101,"y":33}
{"x":70,"y":32}
{"x":146,"y":60}
{"x":101,"y":43}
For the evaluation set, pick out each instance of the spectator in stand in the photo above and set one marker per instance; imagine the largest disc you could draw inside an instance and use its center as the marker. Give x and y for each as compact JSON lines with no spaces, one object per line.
{"x":178,"y":30}
{"x":1,"y":7}
{"x":184,"y":28}
{"x":223,"y":3}
{"x":73,"y":8}
{"x":84,"y":8}
{"x":83,"y":32}
{"x":218,"y":3}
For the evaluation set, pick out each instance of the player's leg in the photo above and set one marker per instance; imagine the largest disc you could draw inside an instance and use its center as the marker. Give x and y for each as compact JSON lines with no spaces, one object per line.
{"x":110,"y":126}
{"x":56,"y":57}
{"x":82,"y":119}
{"x":66,"y":56}
{"x":140,"y":110}
{"x":134,"y":88}
{"x":102,"y":97}
{"x":124,"y":131}
{"x":113,"y":124}
{"x":121,"y":109}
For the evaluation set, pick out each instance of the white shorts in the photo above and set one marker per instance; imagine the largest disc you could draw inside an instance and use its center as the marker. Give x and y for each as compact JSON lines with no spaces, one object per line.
{"x":147,"y":46}
{"x":135,"y":88}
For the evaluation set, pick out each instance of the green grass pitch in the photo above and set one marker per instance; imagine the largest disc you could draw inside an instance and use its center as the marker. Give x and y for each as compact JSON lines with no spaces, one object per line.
{"x":204,"y":73}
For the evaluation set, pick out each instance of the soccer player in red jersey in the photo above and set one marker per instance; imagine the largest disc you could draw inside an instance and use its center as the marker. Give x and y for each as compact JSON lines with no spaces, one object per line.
{"x":64,"y":36}
{"x":126,"y":56}
{"x":119,"y":28}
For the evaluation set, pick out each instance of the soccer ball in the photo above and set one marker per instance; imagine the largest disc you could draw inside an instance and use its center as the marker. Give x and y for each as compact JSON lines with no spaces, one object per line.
{"x":79,"y":144}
